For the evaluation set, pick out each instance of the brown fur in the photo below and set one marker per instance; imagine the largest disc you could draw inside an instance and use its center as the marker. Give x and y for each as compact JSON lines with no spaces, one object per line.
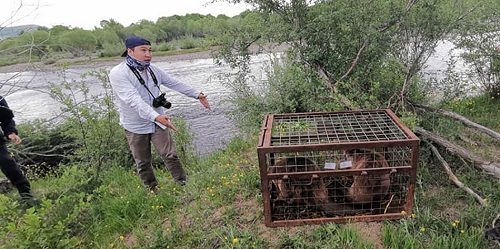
{"x":367,"y":188}
{"x":299,"y":189}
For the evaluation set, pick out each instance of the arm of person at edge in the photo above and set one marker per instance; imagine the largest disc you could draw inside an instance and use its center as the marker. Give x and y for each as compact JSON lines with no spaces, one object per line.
{"x":174,"y":84}
{"x":180,"y":87}
{"x":165,"y":120}
{"x":9,"y":127}
{"x":203,"y":100}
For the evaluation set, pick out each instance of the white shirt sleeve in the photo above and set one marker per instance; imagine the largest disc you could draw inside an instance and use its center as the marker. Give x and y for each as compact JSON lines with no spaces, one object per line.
{"x":129,"y":99}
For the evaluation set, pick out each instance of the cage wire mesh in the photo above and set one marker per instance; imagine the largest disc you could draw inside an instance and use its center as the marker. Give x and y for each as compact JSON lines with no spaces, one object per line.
{"x":335,"y":128}
{"x":318,"y":167}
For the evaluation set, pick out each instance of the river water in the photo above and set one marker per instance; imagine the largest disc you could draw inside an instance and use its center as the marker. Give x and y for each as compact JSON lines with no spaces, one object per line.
{"x":27,"y":93}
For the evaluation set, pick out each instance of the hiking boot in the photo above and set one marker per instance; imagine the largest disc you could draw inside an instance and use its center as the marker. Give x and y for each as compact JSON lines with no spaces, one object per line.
{"x":28,"y":200}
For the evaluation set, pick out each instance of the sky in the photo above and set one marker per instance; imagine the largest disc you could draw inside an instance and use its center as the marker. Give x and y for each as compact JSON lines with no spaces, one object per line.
{"x":87,"y":14}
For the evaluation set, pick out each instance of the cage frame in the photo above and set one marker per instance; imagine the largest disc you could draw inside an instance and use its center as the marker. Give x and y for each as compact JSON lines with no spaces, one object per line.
{"x":264,"y":147}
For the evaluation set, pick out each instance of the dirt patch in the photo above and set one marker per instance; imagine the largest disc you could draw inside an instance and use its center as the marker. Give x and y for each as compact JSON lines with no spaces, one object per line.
{"x":453,"y":212}
{"x":370,"y":232}
{"x":250,"y":213}
{"x":130,"y":240}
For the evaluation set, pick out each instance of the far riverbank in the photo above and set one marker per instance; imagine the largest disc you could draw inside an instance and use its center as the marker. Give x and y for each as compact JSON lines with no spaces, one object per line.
{"x":95,"y":62}
{"x":87,"y":62}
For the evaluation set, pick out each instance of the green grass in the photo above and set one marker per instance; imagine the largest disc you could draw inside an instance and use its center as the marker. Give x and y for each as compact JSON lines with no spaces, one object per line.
{"x":221,"y":206}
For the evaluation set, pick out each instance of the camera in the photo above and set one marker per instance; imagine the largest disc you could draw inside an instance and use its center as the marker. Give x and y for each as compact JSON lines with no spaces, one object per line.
{"x":161,"y":101}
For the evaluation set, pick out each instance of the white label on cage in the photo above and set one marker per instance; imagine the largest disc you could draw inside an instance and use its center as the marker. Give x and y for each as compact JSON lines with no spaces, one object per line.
{"x":346,"y":164}
{"x":330,"y":165}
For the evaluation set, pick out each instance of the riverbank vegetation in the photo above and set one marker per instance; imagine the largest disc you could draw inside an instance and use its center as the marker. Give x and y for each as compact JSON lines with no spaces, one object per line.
{"x":344,"y":55}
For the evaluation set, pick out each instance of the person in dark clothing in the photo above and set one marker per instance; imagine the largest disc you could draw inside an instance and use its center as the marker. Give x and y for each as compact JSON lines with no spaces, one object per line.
{"x":8,"y":165}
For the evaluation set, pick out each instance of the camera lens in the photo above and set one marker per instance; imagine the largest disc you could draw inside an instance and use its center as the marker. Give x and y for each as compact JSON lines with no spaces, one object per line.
{"x":161,"y":101}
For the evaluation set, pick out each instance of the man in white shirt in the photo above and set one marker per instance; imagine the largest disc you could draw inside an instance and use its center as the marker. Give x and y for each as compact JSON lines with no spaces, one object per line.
{"x":136,"y":87}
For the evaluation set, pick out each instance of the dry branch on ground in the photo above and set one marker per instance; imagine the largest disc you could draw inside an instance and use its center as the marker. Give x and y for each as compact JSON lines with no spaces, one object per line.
{"x":462,"y":119}
{"x":454,"y":178}
{"x":490,"y":167}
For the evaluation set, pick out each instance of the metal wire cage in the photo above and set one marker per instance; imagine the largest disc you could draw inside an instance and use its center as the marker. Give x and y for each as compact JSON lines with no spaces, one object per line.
{"x":336,"y":167}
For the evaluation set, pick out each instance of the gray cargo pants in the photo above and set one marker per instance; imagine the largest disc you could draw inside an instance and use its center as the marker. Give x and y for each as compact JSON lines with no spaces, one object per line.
{"x":140,"y":146}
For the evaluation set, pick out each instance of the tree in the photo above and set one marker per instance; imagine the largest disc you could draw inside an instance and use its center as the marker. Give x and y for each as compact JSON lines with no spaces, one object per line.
{"x":146,"y":29}
{"x":106,"y":36}
{"x":356,"y":48}
{"x":58,"y":30}
{"x":172,"y":26}
{"x":113,"y":26}
{"x":34,"y":43}
{"x":481,"y":48}
{"x":78,"y":41}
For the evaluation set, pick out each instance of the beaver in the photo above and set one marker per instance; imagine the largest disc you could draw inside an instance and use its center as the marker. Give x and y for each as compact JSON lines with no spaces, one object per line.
{"x":299,"y":190}
{"x":367,"y":188}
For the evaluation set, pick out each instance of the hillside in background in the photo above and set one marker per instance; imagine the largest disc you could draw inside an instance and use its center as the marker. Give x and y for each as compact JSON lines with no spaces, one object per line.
{"x":6,"y":32}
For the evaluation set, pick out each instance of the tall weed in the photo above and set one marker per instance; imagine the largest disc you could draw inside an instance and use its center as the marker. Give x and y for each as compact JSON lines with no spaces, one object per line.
{"x":92,"y":121}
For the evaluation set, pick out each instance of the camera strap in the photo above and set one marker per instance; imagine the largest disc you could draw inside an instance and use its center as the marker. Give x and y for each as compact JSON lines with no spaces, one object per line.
{"x":141,"y":80}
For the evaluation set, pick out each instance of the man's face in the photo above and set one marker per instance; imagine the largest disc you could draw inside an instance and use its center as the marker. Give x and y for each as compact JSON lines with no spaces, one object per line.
{"x":141,"y":53}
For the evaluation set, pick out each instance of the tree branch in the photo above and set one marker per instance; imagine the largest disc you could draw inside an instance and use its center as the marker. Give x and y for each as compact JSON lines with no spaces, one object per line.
{"x":464,"y":120}
{"x":490,"y":167}
{"x":454,"y":178}
{"x":324,"y":77}
{"x":354,"y":62}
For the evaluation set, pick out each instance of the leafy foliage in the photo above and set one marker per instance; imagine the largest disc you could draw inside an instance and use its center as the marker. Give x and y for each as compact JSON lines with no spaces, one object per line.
{"x":49,"y":226}
{"x":366,"y":54}
{"x":78,"y":42}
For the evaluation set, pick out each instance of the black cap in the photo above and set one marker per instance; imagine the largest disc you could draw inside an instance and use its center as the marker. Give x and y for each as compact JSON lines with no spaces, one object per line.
{"x":133,"y":42}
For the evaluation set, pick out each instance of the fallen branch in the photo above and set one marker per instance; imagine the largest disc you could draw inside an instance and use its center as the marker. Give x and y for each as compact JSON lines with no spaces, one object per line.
{"x":454,"y":178}
{"x":490,"y":167}
{"x":464,"y":120}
